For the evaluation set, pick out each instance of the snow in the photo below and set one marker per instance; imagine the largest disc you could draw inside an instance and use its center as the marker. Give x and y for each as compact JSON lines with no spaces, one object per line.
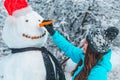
{"x":69,"y":16}
{"x":70,"y":65}
{"x":115,"y":59}
{"x":22,"y":66}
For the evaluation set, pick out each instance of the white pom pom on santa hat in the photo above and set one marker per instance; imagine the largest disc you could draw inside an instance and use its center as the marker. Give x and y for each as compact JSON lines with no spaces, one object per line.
{"x":17,"y":7}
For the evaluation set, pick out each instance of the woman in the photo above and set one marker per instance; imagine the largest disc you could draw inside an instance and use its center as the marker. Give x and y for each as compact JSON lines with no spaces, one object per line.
{"x":93,"y":59}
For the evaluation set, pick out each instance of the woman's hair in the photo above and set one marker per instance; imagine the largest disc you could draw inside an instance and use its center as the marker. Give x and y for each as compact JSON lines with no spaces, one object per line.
{"x":91,"y":59}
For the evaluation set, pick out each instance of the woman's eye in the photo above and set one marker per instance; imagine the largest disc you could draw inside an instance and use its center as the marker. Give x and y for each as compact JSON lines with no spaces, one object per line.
{"x":26,"y":20}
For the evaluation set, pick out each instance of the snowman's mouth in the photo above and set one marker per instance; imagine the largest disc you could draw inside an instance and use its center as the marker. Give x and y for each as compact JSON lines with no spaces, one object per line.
{"x":34,"y":37}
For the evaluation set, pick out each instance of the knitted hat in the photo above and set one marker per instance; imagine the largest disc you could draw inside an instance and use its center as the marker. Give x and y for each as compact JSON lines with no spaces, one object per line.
{"x":14,"y":5}
{"x":100,"y":39}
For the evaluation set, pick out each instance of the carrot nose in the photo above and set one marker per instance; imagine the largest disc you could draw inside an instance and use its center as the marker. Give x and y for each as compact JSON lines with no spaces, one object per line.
{"x":45,"y":23}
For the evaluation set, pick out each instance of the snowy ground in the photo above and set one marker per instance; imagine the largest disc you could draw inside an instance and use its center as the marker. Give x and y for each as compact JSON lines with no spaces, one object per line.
{"x":113,"y":75}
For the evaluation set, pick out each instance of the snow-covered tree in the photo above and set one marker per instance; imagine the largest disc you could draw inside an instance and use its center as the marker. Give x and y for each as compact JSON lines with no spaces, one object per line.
{"x":72,"y":18}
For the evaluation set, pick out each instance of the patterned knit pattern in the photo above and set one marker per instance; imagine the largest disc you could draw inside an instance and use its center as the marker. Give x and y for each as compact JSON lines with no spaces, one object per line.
{"x":100,"y":39}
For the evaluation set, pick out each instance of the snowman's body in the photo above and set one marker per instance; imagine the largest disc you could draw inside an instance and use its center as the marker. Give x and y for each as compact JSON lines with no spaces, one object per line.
{"x":23,"y":66}
{"x":21,"y":31}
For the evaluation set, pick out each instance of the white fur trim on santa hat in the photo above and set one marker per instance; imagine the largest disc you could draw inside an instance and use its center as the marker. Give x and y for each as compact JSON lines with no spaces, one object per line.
{"x":22,"y":11}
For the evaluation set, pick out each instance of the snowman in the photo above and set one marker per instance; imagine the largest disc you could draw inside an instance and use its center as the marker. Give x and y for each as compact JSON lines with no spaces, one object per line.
{"x":29,"y":60}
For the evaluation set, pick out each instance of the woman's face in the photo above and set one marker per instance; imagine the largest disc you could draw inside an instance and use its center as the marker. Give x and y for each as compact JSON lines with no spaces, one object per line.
{"x":84,"y":46}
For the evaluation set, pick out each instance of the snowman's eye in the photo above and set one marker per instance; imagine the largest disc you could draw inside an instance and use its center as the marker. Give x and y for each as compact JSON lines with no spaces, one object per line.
{"x":39,"y":20}
{"x":26,"y":20}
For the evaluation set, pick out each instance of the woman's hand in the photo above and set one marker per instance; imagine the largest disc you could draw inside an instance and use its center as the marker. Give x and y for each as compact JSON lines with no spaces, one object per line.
{"x":49,"y":27}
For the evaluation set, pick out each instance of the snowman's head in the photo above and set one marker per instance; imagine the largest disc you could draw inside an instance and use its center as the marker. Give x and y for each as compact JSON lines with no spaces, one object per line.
{"x":23,"y":30}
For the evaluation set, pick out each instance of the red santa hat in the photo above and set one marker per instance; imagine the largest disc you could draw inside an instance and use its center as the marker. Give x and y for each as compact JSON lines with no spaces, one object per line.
{"x":15,"y":5}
